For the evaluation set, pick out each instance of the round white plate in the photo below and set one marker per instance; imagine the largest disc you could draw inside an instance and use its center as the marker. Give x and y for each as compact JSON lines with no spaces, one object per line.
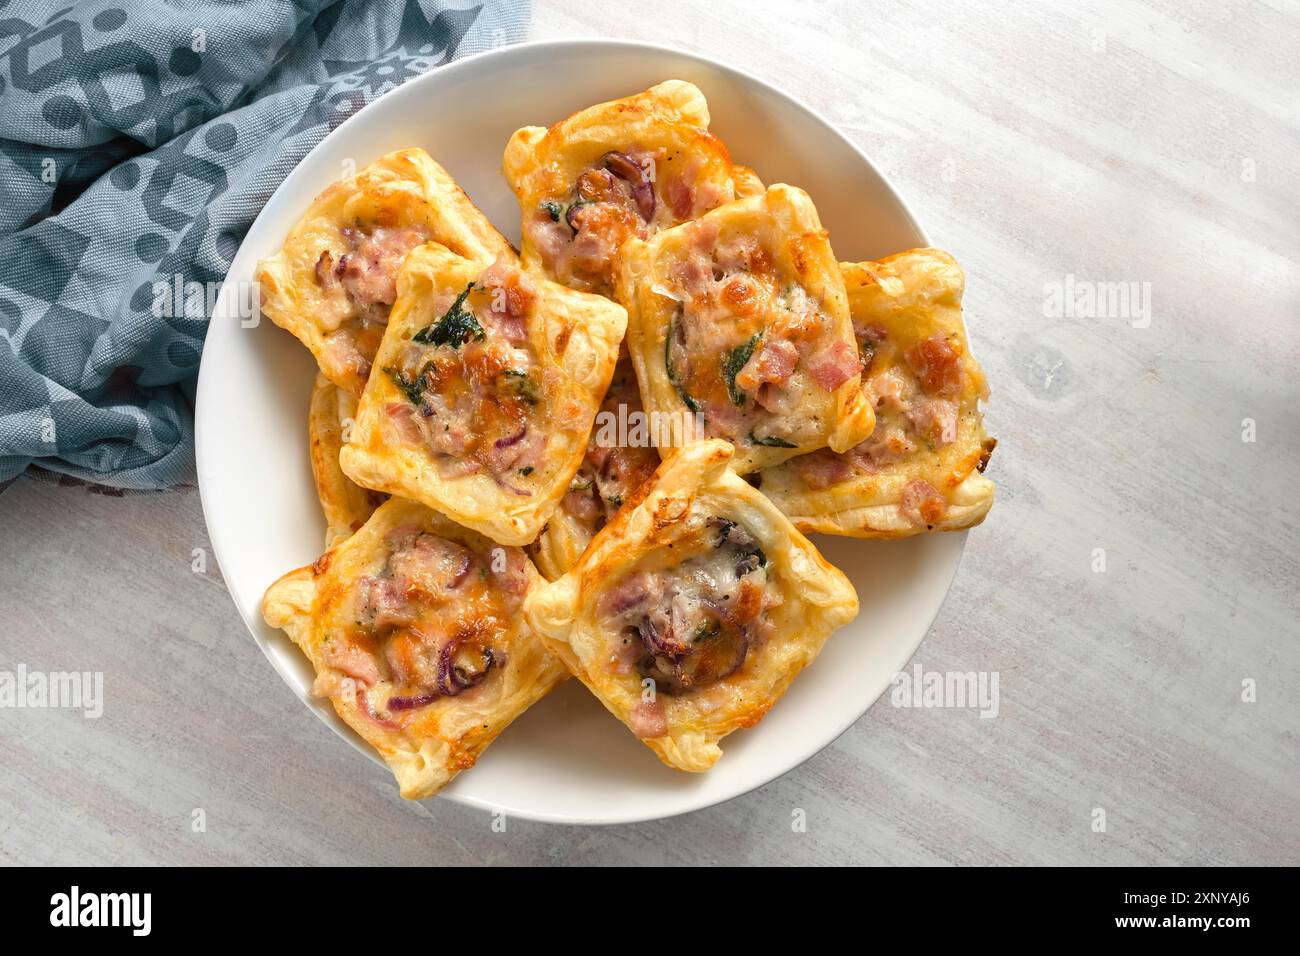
{"x":566,"y":760}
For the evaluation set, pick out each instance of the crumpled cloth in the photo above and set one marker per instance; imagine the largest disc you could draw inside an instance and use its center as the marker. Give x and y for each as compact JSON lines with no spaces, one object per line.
{"x":138,"y":141}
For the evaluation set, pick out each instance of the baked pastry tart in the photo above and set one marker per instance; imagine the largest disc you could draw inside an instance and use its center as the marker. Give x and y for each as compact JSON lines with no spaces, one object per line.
{"x":619,"y":459}
{"x":334,"y":281}
{"x":413,"y":625}
{"x":922,"y":468}
{"x":329,"y":423}
{"x":693,"y":609}
{"x":625,"y":168}
{"x":739,"y":321}
{"x":486,"y":386}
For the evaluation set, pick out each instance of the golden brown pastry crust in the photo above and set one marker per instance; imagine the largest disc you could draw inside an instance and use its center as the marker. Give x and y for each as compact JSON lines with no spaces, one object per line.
{"x":405,"y":189}
{"x":668,"y":121}
{"x":425,"y":747}
{"x":575,"y":337}
{"x":691,"y":487}
{"x":910,"y":297}
{"x":613,"y":466}
{"x":346,"y":504}
{"x":792,"y":243}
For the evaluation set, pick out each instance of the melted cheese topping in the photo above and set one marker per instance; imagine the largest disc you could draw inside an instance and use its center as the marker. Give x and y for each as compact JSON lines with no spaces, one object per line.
{"x":472,"y":381}
{"x":578,"y":230}
{"x":429,"y":620}
{"x":690,"y":615}
{"x":610,"y":472}
{"x":745,"y":348}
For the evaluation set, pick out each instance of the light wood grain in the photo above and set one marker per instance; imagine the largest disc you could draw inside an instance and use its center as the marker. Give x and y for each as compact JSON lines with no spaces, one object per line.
{"x":1105,"y":141}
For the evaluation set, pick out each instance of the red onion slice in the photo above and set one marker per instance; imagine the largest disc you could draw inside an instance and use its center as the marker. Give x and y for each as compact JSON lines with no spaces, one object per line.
{"x":629,"y":170}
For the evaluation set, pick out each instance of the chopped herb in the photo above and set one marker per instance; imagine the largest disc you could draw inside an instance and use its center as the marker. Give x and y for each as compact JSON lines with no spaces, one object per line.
{"x":733,"y":362}
{"x":524,"y":386}
{"x":691,"y":403}
{"x":615,"y":500}
{"x":581,"y":485}
{"x":771,"y":441}
{"x":456,"y":327}
{"x":707,"y":630}
{"x":553,"y":209}
{"x":413,"y":389}
{"x":526,"y":471}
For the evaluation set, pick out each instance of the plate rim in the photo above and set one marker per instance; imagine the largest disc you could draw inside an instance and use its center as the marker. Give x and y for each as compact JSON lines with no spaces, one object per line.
{"x":222,"y":306}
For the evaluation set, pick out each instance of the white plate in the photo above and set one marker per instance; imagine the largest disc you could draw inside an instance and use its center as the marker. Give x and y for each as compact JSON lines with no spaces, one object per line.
{"x":566,"y":760}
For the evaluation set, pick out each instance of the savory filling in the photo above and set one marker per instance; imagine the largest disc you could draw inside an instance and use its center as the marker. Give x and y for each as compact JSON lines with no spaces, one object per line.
{"x":430,"y":622}
{"x":747,"y":350}
{"x":608,"y":475}
{"x":694,"y":622}
{"x":633,"y":193}
{"x":366,"y":273}
{"x":471,"y":382}
{"x":915,"y":393}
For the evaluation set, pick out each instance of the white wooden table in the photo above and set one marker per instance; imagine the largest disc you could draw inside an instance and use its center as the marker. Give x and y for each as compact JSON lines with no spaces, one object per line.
{"x":1047,"y":148}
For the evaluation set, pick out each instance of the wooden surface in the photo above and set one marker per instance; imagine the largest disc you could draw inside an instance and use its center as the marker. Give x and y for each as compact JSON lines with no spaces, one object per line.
{"x":1148,"y":143}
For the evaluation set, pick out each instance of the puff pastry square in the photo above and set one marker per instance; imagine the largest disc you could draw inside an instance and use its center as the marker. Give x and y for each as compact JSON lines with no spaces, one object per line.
{"x":346,"y":504}
{"x":693,"y":609}
{"x":486,"y":385}
{"x":619,"y":460}
{"x":922,"y":468}
{"x":413,"y":625}
{"x":333,"y":282}
{"x":741,"y":318}
{"x":629,"y":167}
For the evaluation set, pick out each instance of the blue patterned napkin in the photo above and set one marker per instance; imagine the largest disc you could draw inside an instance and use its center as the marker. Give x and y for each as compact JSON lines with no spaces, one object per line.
{"x":138,"y":140}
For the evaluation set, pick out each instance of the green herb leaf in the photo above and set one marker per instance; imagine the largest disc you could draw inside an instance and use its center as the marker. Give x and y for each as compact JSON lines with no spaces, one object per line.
{"x":771,"y":441}
{"x":691,"y":403}
{"x":552,"y":209}
{"x":706,"y":630}
{"x":456,"y":327}
{"x":733,"y":362}
{"x":413,"y":389}
{"x":524,"y":386}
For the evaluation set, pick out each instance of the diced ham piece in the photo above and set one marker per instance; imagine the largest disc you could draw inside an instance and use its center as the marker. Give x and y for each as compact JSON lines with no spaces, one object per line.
{"x":834,"y":366}
{"x":387,"y":604}
{"x":402,"y":415}
{"x":648,"y":719}
{"x":823,"y":468}
{"x":369,"y":271}
{"x":681,"y":197}
{"x":891,"y":390}
{"x":341,"y":352}
{"x":430,"y":566}
{"x":513,"y":294}
{"x":773,"y":362}
{"x":882,"y":448}
{"x":511,"y":574}
{"x":551,"y":240}
{"x":937,"y":365}
{"x":922,"y":503}
{"x":350,"y":659}
{"x":584,"y":506}
{"x":936,"y":419}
